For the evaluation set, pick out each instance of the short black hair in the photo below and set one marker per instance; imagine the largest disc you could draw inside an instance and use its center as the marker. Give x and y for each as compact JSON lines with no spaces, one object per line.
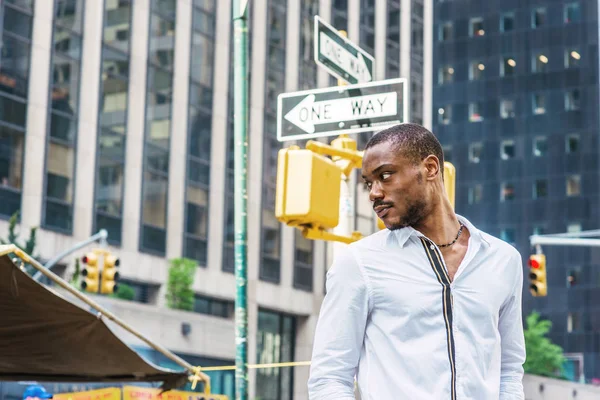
{"x":415,"y":141}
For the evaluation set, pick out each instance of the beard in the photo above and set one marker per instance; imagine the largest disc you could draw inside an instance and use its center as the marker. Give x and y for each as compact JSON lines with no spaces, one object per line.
{"x":415,"y":213}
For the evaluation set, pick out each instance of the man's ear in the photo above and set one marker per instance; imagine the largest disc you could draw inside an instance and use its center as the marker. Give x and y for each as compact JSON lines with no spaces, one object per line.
{"x":432,"y":166}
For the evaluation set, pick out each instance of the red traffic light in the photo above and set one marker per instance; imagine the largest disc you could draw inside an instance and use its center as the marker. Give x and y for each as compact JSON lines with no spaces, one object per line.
{"x":534,"y":263}
{"x":84,"y":259}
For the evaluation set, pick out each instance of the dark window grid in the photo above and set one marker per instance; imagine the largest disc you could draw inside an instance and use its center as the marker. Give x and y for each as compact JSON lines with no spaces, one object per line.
{"x":210,"y":34}
{"x":156,"y":11}
{"x":162,"y":174}
{"x":198,"y":160}
{"x":198,"y":104}
{"x":13,"y":35}
{"x":303,"y":275}
{"x":101,"y":133}
{"x":126,"y":55}
{"x":57,"y":23}
{"x":67,"y":54}
{"x":50,"y":139}
{"x":17,"y":99}
{"x":19,"y":9}
{"x":211,"y":306}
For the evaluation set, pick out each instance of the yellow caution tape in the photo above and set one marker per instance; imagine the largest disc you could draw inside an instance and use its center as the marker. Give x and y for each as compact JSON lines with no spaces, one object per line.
{"x":257,"y":366}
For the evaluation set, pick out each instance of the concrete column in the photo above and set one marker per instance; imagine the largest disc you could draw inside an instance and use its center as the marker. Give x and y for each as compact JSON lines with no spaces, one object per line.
{"x":380,"y":39}
{"x":179,"y":131}
{"x":135,"y":125}
{"x":354,"y":21}
{"x":220,"y":123}
{"x":37,"y":115}
{"x":87,"y":133}
{"x":428,"y":64}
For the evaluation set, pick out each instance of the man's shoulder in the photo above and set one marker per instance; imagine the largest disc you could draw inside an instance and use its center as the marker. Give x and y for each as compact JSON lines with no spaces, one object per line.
{"x":373,"y":241}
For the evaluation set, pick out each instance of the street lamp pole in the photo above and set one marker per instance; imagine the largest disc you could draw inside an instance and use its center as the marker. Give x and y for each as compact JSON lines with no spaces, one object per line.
{"x":240,"y":27}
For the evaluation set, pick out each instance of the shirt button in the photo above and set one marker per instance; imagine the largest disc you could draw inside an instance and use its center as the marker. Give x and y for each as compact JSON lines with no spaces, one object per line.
{"x":432,"y":247}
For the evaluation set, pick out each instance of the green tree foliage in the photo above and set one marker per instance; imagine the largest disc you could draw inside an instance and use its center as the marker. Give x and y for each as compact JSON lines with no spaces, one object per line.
{"x":543,"y":357}
{"x":124,"y":292}
{"x":179,"y":286}
{"x":13,"y":238}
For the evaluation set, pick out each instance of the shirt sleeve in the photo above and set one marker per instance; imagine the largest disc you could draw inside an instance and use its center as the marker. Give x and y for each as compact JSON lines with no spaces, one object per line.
{"x":512,"y":339}
{"x":340,"y":331}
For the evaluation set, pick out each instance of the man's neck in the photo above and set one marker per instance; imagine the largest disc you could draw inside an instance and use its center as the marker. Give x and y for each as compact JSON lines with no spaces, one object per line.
{"x":441,"y":225}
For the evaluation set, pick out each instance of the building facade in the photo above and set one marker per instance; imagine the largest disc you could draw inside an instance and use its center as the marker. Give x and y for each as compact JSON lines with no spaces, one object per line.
{"x":516,"y":108}
{"x":117,"y":115}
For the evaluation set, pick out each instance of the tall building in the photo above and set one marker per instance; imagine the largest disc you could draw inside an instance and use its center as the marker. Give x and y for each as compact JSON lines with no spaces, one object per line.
{"x":515,"y":98}
{"x":117,"y":115}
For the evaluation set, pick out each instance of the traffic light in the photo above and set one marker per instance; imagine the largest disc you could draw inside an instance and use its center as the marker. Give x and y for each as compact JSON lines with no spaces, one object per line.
{"x":90,"y":272}
{"x":308,"y":189}
{"x":537,"y":275}
{"x":110,"y":275}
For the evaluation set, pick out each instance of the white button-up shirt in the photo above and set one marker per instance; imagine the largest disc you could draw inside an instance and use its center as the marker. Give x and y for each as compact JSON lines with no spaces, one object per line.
{"x":393,"y":319}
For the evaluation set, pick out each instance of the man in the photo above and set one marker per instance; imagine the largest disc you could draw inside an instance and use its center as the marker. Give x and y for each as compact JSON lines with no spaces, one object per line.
{"x":36,"y":392}
{"x":427,"y":309}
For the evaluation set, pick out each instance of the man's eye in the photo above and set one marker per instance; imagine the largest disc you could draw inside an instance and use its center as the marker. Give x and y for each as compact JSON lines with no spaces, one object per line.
{"x":368,"y":185}
{"x":385,"y":175}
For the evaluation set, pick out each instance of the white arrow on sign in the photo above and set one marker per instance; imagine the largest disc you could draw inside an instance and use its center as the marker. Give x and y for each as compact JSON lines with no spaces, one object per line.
{"x":309,"y":112}
{"x":355,"y":66}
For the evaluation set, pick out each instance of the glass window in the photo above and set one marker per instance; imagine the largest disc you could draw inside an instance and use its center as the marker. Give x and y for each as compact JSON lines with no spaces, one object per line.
{"x":540,"y":188}
{"x":445,"y":115}
{"x":538,"y":17}
{"x":17,"y":22}
{"x":507,"y":149}
{"x":508,"y":66}
{"x":201,"y":59}
{"x":446,"y":31}
{"x":475,"y":112}
{"x":539,"y":103}
{"x":155,"y":199}
{"x":572,"y":13}
{"x":69,"y":14}
{"x":540,"y":146}
{"x":117,"y":24}
{"x":446,"y":75}
{"x":573,"y":185}
{"x":572,"y":143}
{"x":14,"y":67}
{"x":476,"y":69}
{"x":508,"y":235}
{"x":476,"y":27}
{"x":507,"y":22}
{"x":572,"y":100}
{"x":303,"y":265}
{"x":572,"y":58}
{"x":507,"y":108}
{"x":275,"y":343}
{"x":539,"y":63}
{"x":475,"y":152}
{"x":573,"y":276}
{"x":475,"y":194}
{"x":448,"y":153}
{"x":507,"y":191}
{"x":11,"y":157}
{"x":574,"y":227}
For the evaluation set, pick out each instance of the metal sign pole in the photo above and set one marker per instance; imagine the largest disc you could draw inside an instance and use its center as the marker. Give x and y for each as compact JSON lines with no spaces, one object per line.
{"x":240,"y":213}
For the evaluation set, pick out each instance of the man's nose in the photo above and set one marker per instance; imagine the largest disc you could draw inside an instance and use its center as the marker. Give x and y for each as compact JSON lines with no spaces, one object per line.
{"x":376,"y":193}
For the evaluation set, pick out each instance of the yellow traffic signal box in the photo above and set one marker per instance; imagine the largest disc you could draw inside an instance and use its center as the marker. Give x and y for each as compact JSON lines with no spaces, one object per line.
{"x":110,"y":275}
{"x":308,"y":189}
{"x":537,"y":275}
{"x":90,"y":272}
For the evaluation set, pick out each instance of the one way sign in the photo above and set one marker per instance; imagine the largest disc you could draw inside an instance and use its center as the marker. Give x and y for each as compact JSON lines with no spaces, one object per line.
{"x":341,"y":109}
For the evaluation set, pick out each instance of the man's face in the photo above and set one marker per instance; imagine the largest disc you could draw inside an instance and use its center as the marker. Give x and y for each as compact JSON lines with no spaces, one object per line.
{"x":397,"y":186}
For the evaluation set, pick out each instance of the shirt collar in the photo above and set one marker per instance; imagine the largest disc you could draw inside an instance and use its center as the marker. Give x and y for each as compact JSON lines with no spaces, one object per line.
{"x":403,"y":235}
